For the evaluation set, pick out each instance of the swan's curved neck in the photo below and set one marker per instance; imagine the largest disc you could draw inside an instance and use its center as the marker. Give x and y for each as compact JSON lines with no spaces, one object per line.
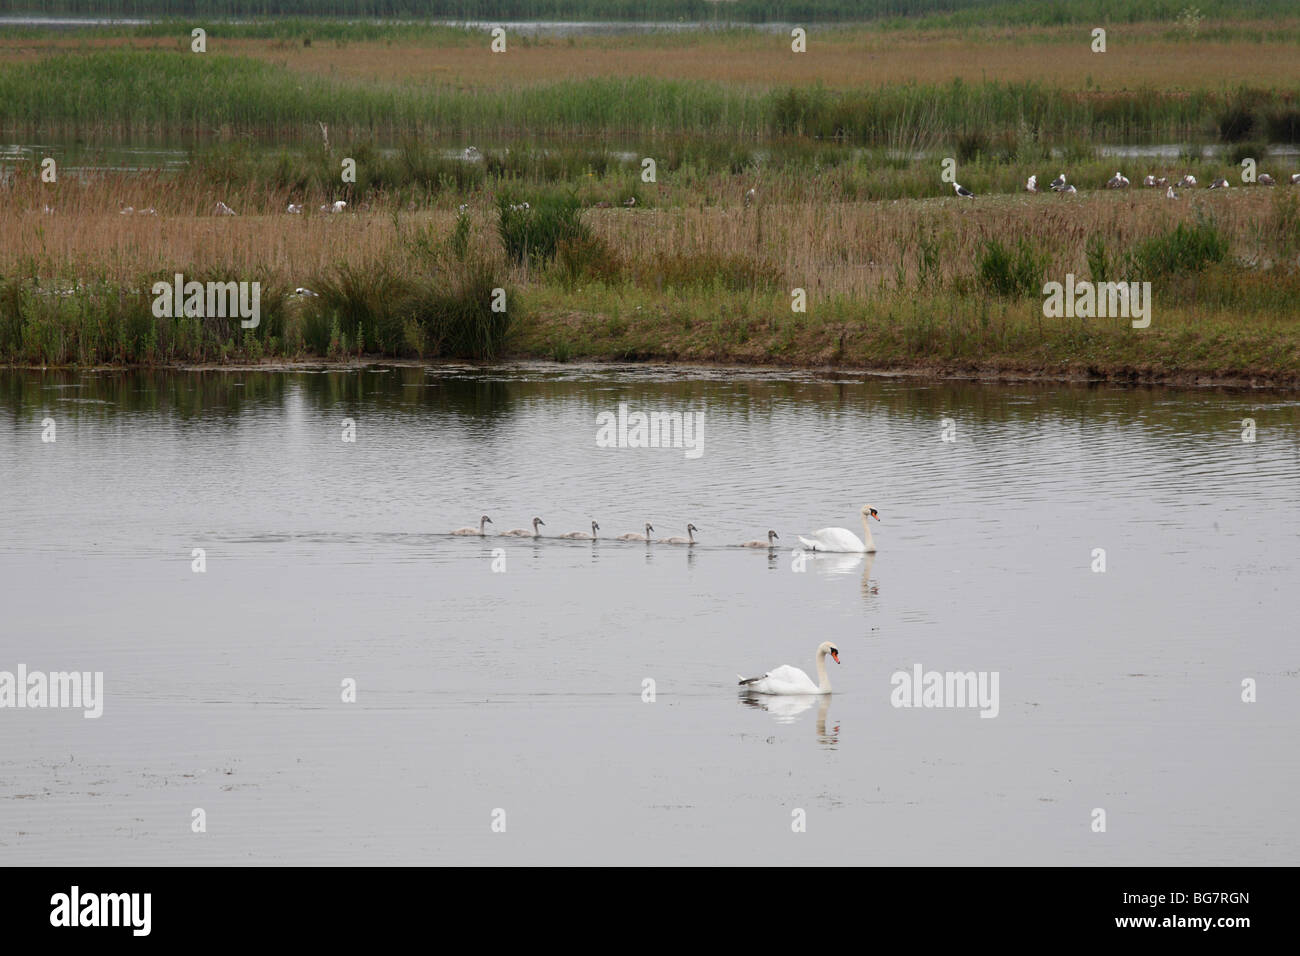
{"x":823,"y":679}
{"x":866,"y":534}
{"x":482,"y":526}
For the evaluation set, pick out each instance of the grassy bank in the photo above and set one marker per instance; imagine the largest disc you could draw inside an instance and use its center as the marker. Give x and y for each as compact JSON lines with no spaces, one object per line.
{"x":774,"y":173}
{"x":939,"y":283}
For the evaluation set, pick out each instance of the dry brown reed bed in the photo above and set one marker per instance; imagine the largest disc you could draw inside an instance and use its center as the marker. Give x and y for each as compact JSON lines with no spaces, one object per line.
{"x":1138,"y":56}
{"x":829,"y":248}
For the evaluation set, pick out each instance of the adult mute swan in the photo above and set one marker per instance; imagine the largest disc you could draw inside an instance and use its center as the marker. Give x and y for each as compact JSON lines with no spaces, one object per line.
{"x":582,"y":535}
{"x":524,"y":532}
{"x":842,"y":539}
{"x":769,"y":543}
{"x":633,"y":536}
{"x":790,"y":680}
{"x":479,"y":531}
{"x":678,"y":539}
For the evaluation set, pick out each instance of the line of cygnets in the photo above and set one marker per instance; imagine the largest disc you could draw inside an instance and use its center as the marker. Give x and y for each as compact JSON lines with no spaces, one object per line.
{"x":825,"y":539}
{"x":482,"y":532}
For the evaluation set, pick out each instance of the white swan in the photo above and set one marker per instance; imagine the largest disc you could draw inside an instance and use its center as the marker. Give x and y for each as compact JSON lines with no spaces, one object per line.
{"x":769,"y":543}
{"x":678,"y":539}
{"x":582,"y":535}
{"x":790,"y":680}
{"x":479,"y":531}
{"x":523,"y":532}
{"x":842,"y":539}
{"x":633,"y":536}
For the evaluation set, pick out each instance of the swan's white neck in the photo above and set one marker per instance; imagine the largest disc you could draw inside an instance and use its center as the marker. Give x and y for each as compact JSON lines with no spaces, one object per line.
{"x":823,"y":679}
{"x":866,"y":535}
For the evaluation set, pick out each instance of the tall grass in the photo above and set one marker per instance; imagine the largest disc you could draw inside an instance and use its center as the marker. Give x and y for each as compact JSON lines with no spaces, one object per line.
{"x":532,"y":232}
{"x":158,"y":93}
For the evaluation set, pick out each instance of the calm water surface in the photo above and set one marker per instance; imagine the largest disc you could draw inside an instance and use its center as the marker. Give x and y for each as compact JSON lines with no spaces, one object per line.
{"x":522,"y":689}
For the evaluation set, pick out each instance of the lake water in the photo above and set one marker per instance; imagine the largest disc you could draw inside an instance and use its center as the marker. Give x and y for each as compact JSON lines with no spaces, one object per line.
{"x":520,"y":689}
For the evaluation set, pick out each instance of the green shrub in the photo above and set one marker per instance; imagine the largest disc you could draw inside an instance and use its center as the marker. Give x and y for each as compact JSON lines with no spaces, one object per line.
{"x":1180,"y":250}
{"x":532,"y":234}
{"x":1011,"y":274}
{"x":1098,"y":258}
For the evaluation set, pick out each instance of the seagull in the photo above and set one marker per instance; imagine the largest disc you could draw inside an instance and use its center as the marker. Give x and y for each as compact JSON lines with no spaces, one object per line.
{"x":750,"y":197}
{"x":223,"y":210}
{"x":125,"y":211}
{"x":1219,"y":184}
{"x":1187,"y":182}
{"x":1058,"y":183}
{"x":1170,"y":194}
{"x":1118,"y":181}
{"x":295,"y":209}
{"x":1155,"y":182}
{"x":1067,"y":189}
{"x":962,"y":191}
{"x":1295,"y":179}
{"x":337,"y":205}
{"x":630,"y":202}
{"x":1032,"y":184}
{"x":306,"y":292}
{"x":1265,"y":180}
{"x":471,"y":154}
{"x":147,"y":212}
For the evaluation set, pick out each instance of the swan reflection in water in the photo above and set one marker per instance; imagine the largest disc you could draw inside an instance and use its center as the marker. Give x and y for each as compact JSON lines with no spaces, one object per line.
{"x":786,"y":710}
{"x":825,"y":562}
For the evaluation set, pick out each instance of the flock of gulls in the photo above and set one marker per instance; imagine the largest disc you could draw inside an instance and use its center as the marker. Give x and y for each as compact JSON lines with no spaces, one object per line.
{"x":294,"y":208}
{"x":1057,"y":185}
{"x":824,"y":539}
{"x":1120,"y":181}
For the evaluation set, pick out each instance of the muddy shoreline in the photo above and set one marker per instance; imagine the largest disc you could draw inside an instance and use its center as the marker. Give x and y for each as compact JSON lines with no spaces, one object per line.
{"x":934,"y":371}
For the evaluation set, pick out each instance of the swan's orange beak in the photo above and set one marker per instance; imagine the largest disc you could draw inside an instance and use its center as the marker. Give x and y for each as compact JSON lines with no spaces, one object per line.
{"x":836,"y":655}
